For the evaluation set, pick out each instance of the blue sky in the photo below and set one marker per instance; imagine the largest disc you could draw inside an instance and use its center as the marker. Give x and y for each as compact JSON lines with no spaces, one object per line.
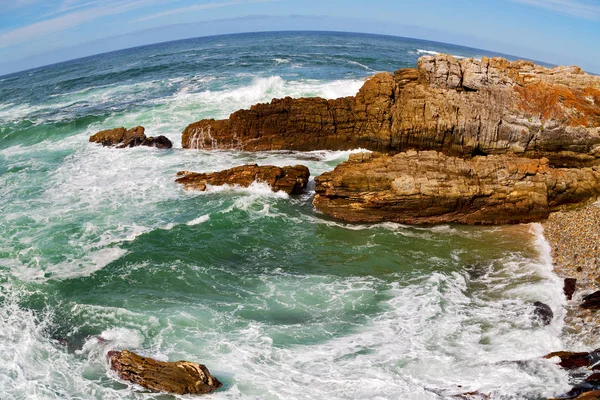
{"x":39,"y":32}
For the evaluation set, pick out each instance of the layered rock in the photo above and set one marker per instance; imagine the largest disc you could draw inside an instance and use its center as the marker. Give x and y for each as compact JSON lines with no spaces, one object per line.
{"x":429,"y":187}
{"x":459,"y":107}
{"x":291,"y":180}
{"x":181,"y":377}
{"x":122,"y":138}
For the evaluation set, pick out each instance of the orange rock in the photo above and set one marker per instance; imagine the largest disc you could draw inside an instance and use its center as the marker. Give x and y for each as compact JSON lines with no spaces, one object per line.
{"x":181,"y":377}
{"x":429,"y":187}
{"x":459,"y":107}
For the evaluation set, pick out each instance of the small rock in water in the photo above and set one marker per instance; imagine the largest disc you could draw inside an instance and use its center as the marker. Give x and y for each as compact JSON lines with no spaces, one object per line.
{"x":543,"y":312}
{"x":123,"y":138}
{"x":291,"y":180}
{"x":571,"y":360}
{"x":181,"y":377}
{"x":569,"y":288}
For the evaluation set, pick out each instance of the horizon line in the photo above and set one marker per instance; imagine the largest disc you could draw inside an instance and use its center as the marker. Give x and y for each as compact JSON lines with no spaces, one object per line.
{"x":506,"y":55}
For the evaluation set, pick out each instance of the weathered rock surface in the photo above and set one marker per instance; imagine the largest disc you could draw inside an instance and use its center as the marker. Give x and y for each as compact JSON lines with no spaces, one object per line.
{"x":430,"y":187}
{"x":181,"y":377}
{"x":458,"y":107}
{"x":292,"y":180}
{"x":122,"y":138}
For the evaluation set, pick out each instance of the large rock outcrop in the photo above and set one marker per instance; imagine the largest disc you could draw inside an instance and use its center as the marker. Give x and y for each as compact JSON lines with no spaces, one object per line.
{"x":123,"y":138}
{"x":429,"y":187}
{"x":181,"y":377}
{"x":291,"y":180}
{"x":459,"y":107}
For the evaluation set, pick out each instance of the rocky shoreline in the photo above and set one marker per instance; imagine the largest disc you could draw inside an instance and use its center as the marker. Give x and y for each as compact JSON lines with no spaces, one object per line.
{"x":574,"y":237}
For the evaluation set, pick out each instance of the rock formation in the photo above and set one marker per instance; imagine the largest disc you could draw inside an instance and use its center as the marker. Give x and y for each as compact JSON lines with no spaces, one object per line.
{"x":429,"y":187}
{"x":459,"y":107}
{"x":579,"y":365}
{"x":181,"y":377}
{"x":122,"y":138}
{"x":292,"y":180}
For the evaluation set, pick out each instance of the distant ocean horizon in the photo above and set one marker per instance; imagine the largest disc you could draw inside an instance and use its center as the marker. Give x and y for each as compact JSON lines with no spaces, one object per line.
{"x":100,"y":249}
{"x":432,"y":42}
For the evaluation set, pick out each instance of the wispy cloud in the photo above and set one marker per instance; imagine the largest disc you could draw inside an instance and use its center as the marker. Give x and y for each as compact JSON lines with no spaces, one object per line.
{"x":199,"y":7}
{"x":94,"y":10}
{"x":585,"y":9}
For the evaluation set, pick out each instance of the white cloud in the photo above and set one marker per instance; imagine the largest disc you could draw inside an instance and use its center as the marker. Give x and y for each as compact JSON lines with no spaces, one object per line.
{"x":199,"y":7}
{"x":576,"y":8}
{"x":70,"y":20}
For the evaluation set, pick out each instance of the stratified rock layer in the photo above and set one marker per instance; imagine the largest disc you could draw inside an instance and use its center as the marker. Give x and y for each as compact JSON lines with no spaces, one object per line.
{"x":292,"y":180}
{"x":430,"y":187}
{"x":122,"y":138}
{"x":459,"y":107}
{"x":181,"y":377}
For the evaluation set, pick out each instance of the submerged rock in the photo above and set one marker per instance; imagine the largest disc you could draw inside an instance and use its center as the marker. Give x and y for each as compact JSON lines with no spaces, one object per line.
{"x":543,"y":312}
{"x":122,"y":138}
{"x":459,"y":107}
{"x":181,"y":377}
{"x":429,"y":187}
{"x":292,"y":180}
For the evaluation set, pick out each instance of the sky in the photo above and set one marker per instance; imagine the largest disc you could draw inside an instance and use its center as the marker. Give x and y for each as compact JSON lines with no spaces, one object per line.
{"x":40,"y":32}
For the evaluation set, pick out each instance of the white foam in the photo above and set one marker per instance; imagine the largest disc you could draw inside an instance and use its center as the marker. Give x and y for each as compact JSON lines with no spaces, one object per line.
{"x":434,"y":53}
{"x":200,"y":220}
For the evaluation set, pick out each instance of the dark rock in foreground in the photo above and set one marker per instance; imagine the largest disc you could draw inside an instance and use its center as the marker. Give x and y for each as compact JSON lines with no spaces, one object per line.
{"x":429,"y":187}
{"x":292,"y":180}
{"x":122,"y":138}
{"x":543,"y":312}
{"x":569,"y":287}
{"x":181,"y":377}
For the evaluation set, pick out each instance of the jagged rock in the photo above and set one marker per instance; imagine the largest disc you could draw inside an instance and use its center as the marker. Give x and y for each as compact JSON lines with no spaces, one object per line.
{"x":591,"y":301}
{"x":122,"y":138}
{"x":292,"y":180}
{"x":133,"y":137}
{"x":181,"y":377}
{"x":543,"y":312}
{"x":570,"y":287}
{"x":461,"y":108}
{"x":160,"y":142}
{"x":571,"y":360}
{"x":430,"y":187}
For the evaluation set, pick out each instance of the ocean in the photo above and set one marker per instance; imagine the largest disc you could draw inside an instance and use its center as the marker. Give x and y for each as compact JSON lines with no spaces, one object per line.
{"x":100,"y":249}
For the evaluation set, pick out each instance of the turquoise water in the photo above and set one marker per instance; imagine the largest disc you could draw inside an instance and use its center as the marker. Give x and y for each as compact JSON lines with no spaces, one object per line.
{"x":277,"y":300}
